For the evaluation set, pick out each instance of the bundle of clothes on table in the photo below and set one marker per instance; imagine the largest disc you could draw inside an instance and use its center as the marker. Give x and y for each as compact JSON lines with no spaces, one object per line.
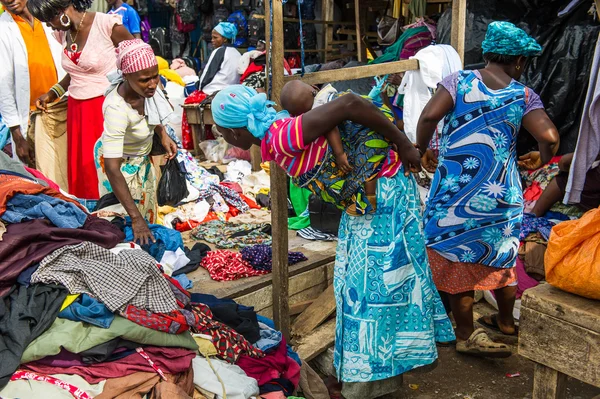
{"x":87,"y":313}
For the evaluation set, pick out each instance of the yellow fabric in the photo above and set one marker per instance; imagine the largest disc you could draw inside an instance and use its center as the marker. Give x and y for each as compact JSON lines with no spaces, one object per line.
{"x":162,"y":212}
{"x":48,"y":132}
{"x":573,"y":256}
{"x":42,"y":71}
{"x":264,"y":191}
{"x":266,"y":166}
{"x":205,"y":347}
{"x":69,"y":300}
{"x":162,"y":63}
{"x":172,"y":76}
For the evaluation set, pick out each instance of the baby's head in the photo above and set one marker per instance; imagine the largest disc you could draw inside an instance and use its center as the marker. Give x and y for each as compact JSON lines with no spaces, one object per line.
{"x":297,"y":97}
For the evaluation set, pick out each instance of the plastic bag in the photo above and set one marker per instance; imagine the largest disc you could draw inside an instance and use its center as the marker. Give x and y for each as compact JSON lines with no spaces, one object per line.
{"x":214,"y":150}
{"x":572,"y":259}
{"x":172,"y":187}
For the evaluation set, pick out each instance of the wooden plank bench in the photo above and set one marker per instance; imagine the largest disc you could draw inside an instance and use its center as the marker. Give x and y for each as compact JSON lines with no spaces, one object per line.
{"x":560,"y":332}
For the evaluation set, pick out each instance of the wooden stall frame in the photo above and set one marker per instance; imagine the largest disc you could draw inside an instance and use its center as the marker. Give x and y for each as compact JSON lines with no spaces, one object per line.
{"x":278,"y":176}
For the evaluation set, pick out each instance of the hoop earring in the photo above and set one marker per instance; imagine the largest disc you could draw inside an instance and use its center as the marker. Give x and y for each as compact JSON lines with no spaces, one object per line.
{"x":518,"y":67}
{"x":66,"y":23}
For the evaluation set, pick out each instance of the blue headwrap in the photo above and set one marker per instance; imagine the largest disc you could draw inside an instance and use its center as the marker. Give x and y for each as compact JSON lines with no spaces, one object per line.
{"x":227,"y":30}
{"x":239,"y":106}
{"x":505,"y":38}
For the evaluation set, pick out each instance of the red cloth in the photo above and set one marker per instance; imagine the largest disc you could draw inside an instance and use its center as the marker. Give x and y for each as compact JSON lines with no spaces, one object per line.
{"x":275,"y":364}
{"x":233,"y":185}
{"x":85,"y":124}
{"x":169,"y":360}
{"x":533,"y":192}
{"x":252,"y":68}
{"x":40,"y":176}
{"x":187,"y":140}
{"x":228,"y":266}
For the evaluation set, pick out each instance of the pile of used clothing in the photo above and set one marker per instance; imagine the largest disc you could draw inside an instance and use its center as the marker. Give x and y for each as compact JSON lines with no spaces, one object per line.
{"x":87,"y":313}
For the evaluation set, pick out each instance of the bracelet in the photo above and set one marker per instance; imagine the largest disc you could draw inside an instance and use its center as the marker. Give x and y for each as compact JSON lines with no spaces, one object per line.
{"x":53,"y":90}
{"x":58,"y":90}
{"x":421,"y":152}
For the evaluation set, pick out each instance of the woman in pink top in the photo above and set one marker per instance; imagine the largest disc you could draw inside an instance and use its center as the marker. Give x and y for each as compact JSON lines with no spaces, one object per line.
{"x":89,"y":41}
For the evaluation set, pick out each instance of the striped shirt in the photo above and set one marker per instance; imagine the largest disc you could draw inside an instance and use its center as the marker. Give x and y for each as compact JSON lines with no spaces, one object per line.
{"x":126,"y":132}
{"x":284,"y":144}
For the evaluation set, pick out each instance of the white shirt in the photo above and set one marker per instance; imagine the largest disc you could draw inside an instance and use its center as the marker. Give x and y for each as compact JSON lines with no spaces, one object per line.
{"x":227,"y":75}
{"x":14,"y":72}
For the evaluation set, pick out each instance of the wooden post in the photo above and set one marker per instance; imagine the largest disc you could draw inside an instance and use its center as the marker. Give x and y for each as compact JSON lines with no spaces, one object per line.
{"x":459,"y":20}
{"x":359,"y":43}
{"x":548,"y":383}
{"x":279,"y":221}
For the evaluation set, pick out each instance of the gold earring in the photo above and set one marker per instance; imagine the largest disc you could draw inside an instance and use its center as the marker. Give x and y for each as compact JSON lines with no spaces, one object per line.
{"x":518,"y":67}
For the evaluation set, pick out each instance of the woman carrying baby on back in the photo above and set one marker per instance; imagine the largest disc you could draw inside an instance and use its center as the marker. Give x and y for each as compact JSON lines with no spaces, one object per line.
{"x":382,"y":282}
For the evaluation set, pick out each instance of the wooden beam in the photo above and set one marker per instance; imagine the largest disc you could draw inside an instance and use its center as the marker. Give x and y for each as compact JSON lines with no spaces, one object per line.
{"x":268,"y":41}
{"x":548,"y":383}
{"x":457,"y":33}
{"x":279,"y":212}
{"x":366,"y":71}
{"x":300,"y":307}
{"x":314,"y":344}
{"x":359,"y":44}
{"x":317,"y":313}
{"x":310,"y":21}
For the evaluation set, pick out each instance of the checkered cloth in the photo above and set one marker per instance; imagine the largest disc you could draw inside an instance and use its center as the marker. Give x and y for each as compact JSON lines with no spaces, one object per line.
{"x":130,"y":277}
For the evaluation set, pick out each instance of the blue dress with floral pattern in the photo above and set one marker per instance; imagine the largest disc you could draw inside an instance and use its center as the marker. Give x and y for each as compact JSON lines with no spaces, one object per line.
{"x":475,"y":205}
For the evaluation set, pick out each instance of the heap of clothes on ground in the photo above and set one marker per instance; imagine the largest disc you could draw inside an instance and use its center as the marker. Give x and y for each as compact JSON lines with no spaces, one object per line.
{"x":87,"y":313}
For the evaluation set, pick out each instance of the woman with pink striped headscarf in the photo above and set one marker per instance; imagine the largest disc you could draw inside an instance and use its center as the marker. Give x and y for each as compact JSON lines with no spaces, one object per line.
{"x":135,"y":110}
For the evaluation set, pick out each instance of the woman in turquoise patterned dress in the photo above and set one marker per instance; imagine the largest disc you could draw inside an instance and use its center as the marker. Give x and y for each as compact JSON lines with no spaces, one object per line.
{"x":389,"y":314}
{"x":475,"y":205}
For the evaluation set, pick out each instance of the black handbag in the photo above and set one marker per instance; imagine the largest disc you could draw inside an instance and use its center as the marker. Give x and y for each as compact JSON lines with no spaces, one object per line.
{"x":388,"y":29}
{"x":324,"y":216}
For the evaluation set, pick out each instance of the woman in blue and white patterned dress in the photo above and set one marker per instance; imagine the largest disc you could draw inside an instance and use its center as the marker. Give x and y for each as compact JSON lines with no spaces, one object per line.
{"x":475,"y":206}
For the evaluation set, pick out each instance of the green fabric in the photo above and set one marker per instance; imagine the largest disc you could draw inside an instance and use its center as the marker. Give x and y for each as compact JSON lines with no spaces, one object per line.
{"x":77,"y":337}
{"x":392,"y":53}
{"x":417,"y":8}
{"x":299,"y":197}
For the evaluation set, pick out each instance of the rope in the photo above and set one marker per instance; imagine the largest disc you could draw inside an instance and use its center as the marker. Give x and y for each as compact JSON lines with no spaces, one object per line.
{"x":299,"y":2}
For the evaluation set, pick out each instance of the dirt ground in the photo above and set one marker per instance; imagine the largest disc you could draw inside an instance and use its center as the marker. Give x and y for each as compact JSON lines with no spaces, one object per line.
{"x":465,"y":377}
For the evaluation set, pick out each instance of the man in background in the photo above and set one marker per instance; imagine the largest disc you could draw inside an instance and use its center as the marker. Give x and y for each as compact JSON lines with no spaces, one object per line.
{"x":31,"y":67}
{"x":131,"y":19}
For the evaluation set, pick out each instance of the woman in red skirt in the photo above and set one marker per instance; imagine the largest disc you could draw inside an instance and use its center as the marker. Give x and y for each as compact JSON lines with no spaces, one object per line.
{"x":89,"y":39}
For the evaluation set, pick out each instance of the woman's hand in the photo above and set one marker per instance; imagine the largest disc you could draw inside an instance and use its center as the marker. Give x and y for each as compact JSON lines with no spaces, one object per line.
{"x":48,"y":98}
{"x":167,"y":143}
{"x":410,"y":157}
{"x":141,"y":232}
{"x":531,"y":161}
{"x":429,"y":161}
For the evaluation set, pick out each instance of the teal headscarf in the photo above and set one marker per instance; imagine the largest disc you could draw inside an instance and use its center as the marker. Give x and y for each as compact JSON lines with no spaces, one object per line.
{"x":505,"y":38}
{"x":239,"y":106}
{"x":227,"y":30}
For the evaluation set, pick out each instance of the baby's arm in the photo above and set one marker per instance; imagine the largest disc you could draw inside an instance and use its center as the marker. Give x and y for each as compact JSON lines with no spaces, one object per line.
{"x":334,"y":139}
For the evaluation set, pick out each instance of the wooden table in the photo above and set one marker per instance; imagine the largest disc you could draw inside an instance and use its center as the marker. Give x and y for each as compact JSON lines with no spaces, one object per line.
{"x":198,"y":116}
{"x":560,"y":332}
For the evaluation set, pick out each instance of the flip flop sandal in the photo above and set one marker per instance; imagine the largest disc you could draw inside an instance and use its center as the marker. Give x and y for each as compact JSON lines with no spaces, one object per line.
{"x":495,"y":326}
{"x":480,"y":344}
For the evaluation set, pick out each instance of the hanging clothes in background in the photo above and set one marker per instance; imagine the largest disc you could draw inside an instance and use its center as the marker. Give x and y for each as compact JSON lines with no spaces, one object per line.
{"x":417,"y":8}
{"x":435,"y":63}
{"x":588,"y":142}
{"x":392,"y":53}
